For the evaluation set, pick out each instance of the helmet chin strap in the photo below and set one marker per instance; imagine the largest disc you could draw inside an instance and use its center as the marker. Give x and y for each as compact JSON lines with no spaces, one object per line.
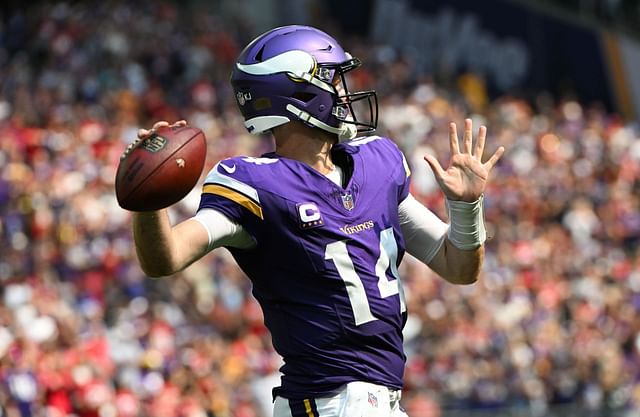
{"x":313,"y":80}
{"x":349,"y":131}
{"x":345,"y":132}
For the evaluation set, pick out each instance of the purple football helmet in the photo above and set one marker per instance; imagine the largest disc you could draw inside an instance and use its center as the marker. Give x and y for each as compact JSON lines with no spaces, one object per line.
{"x":290,"y":73}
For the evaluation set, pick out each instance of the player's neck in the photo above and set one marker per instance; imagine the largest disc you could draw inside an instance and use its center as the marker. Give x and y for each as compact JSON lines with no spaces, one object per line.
{"x":310,"y":146}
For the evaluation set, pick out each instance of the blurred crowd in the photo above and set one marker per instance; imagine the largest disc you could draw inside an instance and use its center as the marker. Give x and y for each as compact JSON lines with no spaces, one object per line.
{"x":553,"y":319}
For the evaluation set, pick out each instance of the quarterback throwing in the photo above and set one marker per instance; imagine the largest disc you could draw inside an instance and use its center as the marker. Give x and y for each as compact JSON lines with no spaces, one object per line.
{"x":321,"y":224}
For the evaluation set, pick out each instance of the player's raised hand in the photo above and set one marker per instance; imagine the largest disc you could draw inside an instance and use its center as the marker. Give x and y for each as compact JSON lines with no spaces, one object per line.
{"x":466,"y":177}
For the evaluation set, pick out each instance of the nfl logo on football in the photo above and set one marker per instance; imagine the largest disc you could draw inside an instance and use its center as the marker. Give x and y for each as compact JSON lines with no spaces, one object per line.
{"x":347,"y":201}
{"x":154,"y":143}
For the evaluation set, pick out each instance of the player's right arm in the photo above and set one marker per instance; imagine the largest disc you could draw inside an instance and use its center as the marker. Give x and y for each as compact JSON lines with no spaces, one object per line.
{"x":164,"y":249}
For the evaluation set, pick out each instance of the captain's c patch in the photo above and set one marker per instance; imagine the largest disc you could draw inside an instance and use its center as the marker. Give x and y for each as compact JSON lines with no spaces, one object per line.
{"x":309,"y":215}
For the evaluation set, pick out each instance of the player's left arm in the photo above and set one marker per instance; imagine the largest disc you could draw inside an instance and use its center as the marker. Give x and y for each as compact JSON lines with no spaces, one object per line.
{"x":460,"y":257}
{"x":425,"y":237}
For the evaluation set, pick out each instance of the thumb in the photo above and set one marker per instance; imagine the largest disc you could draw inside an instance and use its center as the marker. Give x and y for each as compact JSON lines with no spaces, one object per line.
{"x":435,"y":165}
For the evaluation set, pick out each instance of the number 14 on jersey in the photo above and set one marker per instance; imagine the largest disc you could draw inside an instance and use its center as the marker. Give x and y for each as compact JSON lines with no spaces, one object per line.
{"x":338,"y":253}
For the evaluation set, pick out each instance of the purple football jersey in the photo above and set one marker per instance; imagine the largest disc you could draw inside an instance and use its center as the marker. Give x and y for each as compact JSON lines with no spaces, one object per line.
{"x":324,"y":267}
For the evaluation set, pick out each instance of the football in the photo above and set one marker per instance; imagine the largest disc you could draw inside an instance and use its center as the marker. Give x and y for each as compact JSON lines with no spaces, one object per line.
{"x":160,"y":169}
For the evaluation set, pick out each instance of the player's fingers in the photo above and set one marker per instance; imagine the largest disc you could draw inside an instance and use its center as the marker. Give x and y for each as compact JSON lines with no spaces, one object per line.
{"x":479,"y":150}
{"x":494,"y":158}
{"x":143,"y":133}
{"x":468,"y":135}
{"x":130,"y":147}
{"x":158,"y":125}
{"x":453,"y":139}
{"x":435,"y":165}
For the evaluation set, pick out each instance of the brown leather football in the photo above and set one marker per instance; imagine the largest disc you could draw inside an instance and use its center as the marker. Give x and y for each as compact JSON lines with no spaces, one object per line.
{"x":161,"y":169}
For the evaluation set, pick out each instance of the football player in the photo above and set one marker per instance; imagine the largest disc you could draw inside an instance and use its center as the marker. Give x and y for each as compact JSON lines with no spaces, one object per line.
{"x":321,"y":224}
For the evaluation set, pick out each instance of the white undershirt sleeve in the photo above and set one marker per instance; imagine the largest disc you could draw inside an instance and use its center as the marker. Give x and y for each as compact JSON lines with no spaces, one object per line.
{"x":222,"y":231}
{"x":424,"y":232}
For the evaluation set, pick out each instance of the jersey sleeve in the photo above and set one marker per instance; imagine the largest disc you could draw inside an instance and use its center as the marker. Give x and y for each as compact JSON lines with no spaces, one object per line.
{"x":423,"y":231}
{"x":222,"y":231}
{"x":404,"y":178}
{"x":234,"y":197}
{"x":401,"y":172}
{"x":386,"y":156}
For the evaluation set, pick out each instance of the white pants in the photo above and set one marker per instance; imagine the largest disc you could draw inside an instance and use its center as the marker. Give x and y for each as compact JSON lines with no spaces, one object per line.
{"x":356,"y":399}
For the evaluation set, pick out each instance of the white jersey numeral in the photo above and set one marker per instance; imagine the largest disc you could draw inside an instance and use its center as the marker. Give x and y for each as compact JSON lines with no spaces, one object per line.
{"x":388,"y":257}
{"x":260,"y":161}
{"x":338,"y":253}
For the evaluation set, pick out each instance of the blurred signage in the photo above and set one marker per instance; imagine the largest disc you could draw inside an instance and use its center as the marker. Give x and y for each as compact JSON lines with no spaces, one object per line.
{"x":446,"y":39}
{"x":516,"y":48}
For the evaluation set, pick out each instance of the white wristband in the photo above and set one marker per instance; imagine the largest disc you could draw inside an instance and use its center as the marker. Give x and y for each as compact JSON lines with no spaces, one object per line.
{"x":466,"y":224}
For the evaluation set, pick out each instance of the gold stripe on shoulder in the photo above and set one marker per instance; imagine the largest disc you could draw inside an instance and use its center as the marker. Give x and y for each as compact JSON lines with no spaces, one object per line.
{"x":234,"y":196}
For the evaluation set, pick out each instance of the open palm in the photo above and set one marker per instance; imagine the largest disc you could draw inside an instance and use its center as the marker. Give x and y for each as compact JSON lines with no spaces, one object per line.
{"x":466,"y":177}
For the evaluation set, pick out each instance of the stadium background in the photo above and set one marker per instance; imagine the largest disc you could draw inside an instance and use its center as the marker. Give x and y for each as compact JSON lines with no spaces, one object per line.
{"x":551,"y":329}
